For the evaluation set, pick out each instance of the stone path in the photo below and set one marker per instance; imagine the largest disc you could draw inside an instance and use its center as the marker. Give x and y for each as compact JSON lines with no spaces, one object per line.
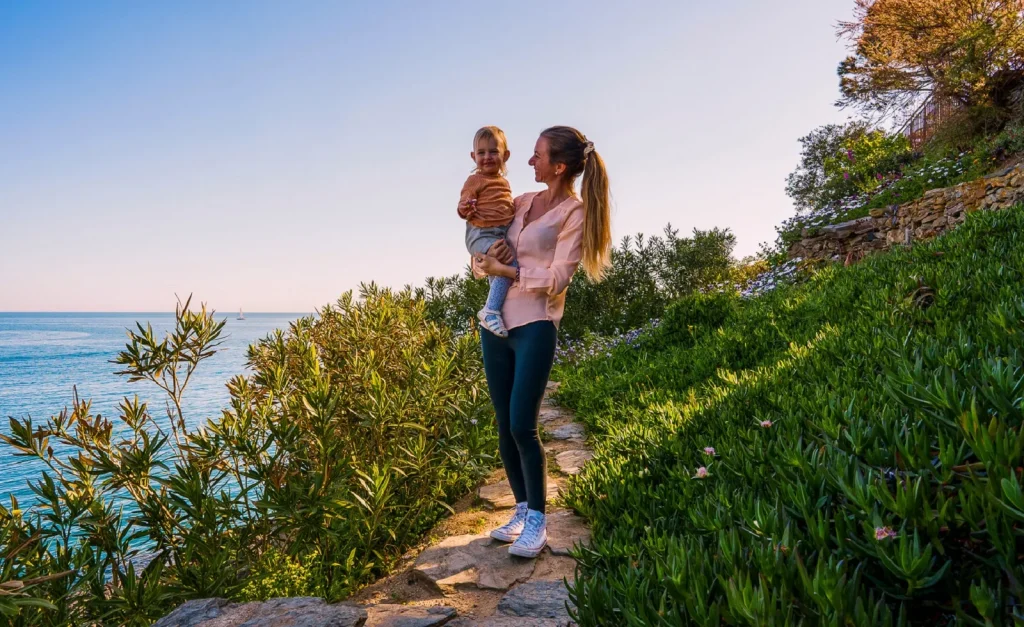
{"x":467,"y":579}
{"x":459,"y":576}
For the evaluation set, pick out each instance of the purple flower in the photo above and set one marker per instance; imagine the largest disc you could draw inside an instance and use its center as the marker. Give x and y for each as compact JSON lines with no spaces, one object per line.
{"x":884,"y":533}
{"x":846,"y":176}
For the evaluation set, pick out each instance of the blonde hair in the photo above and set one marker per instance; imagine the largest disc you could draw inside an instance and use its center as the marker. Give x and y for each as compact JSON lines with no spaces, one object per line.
{"x":495,"y":134}
{"x":571,"y":148}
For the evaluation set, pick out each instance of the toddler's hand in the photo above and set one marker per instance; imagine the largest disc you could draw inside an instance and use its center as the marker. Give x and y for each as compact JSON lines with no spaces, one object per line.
{"x":467,"y":209}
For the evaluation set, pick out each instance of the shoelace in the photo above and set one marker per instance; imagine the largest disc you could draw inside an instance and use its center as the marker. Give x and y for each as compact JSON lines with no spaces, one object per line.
{"x":518,"y":517}
{"x":532,"y":530}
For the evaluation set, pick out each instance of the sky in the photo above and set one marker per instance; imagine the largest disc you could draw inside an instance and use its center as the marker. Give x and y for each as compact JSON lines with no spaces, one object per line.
{"x":271,"y":155}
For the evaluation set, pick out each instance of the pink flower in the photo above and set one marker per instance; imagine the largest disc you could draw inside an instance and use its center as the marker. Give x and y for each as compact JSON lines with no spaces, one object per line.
{"x":766,"y":423}
{"x":846,"y":176}
{"x":883,"y":533}
{"x":708,"y":450}
{"x":702,"y":473}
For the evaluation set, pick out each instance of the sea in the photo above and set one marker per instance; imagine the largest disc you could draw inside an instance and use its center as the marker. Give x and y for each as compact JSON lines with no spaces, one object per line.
{"x":45,"y":357}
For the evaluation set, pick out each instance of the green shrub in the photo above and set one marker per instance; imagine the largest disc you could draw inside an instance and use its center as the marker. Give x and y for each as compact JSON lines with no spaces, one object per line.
{"x":355,"y":431}
{"x":646,"y":274}
{"x":845,"y":451}
{"x":279,"y":575}
{"x":840,"y":161}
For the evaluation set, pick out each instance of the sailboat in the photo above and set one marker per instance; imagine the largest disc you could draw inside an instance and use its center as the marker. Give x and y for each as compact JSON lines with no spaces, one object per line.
{"x":241,"y":316}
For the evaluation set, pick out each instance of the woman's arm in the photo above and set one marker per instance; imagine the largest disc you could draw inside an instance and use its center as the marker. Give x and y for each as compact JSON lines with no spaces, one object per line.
{"x":568,"y":253}
{"x":489,"y":265}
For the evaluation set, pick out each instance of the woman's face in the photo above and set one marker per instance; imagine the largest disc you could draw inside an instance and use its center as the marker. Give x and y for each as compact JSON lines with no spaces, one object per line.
{"x":543,"y":170}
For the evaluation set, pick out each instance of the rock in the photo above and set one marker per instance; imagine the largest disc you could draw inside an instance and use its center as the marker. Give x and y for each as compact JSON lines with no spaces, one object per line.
{"x":194,"y":612}
{"x":877,"y":213}
{"x":571,"y":462}
{"x":564,"y":530}
{"x":390,"y":615}
{"x":552,"y":386}
{"x":510,"y":621}
{"x":471,"y":560}
{"x":499,"y":495}
{"x":571,"y":431}
{"x":284,"y":612}
{"x":554,"y":568}
{"x":536,"y":599}
{"x":551,"y":414}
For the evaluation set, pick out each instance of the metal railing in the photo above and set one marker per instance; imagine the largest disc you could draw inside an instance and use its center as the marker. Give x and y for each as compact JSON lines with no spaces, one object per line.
{"x":927,"y":119}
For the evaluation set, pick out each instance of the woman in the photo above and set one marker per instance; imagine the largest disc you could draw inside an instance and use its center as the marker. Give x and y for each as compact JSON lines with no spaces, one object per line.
{"x":553,"y":231}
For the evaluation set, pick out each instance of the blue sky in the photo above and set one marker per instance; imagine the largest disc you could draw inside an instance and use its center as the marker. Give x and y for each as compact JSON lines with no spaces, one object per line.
{"x":271,"y":155}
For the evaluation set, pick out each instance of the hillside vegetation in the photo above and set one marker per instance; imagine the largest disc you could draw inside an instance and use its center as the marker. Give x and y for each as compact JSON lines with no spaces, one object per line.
{"x":843,"y":451}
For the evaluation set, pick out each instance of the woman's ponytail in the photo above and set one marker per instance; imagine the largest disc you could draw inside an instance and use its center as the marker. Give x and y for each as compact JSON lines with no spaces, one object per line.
{"x":571,"y":147}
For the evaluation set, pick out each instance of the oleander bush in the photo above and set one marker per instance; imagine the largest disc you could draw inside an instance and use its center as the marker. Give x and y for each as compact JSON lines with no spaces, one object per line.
{"x":845,"y":451}
{"x":354,"y":433}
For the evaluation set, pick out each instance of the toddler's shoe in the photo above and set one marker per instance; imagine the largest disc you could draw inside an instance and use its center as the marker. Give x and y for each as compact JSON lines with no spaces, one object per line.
{"x":491,"y":320}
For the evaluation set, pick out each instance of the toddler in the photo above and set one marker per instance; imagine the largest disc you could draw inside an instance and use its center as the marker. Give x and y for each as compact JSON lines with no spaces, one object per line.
{"x":486,"y":206}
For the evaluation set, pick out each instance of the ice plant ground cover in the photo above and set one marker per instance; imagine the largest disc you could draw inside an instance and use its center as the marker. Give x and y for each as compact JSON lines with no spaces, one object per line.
{"x":868,"y":448}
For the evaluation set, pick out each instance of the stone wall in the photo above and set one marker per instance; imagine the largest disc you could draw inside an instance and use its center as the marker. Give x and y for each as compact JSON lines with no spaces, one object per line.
{"x":922,"y":219}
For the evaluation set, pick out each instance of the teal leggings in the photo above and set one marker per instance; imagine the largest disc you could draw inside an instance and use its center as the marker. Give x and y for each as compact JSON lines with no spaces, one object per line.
{"x":517,"y":369}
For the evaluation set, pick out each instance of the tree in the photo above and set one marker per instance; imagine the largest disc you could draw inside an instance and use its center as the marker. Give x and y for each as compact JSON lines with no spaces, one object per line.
{"x":839,"y":161}
{"x":970,"y":51}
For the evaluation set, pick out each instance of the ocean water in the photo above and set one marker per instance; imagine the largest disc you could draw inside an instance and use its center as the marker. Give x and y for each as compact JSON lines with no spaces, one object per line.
{"x":45,"y":356}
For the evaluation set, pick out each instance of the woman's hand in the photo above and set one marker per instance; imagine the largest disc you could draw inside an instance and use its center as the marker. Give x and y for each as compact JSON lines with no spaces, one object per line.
{"x":491,"y":266}
{"x":500,"y":251}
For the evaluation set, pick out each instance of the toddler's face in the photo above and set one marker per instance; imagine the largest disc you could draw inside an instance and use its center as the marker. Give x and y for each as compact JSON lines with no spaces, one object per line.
{"x":488,"y":157}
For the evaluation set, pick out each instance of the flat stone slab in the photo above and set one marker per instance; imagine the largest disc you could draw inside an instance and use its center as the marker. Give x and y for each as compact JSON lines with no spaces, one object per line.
{"x":571,"y":462}
{"x":564,"y":530}
{"x":284,"y":612}
{"x":473,"y":559}
{"x":509,"y":621}
{"x":391,"y":615}
{"x":571,"y":431}
{"x":499,"y":495}
{"x":551,"y":414}
{"x":536,"y":599}
{"x":554,"y":568}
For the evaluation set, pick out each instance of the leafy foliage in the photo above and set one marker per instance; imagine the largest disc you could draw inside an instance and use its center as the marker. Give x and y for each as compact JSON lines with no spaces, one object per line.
{"x":942,"y":164}
{"x":971,"y":51}
{"x":843,"y":451}
{"x":646,"y":274}
{"x":355,"y":430}
{"x":839,"y":161}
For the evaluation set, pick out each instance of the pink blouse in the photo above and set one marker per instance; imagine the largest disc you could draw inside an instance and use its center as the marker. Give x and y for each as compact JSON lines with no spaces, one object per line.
{"x":549,"y":250}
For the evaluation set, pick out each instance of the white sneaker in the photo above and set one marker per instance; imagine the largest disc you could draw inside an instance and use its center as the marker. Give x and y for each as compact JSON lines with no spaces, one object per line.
{"x":511,"y":530}
{"x":534,"y":537}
